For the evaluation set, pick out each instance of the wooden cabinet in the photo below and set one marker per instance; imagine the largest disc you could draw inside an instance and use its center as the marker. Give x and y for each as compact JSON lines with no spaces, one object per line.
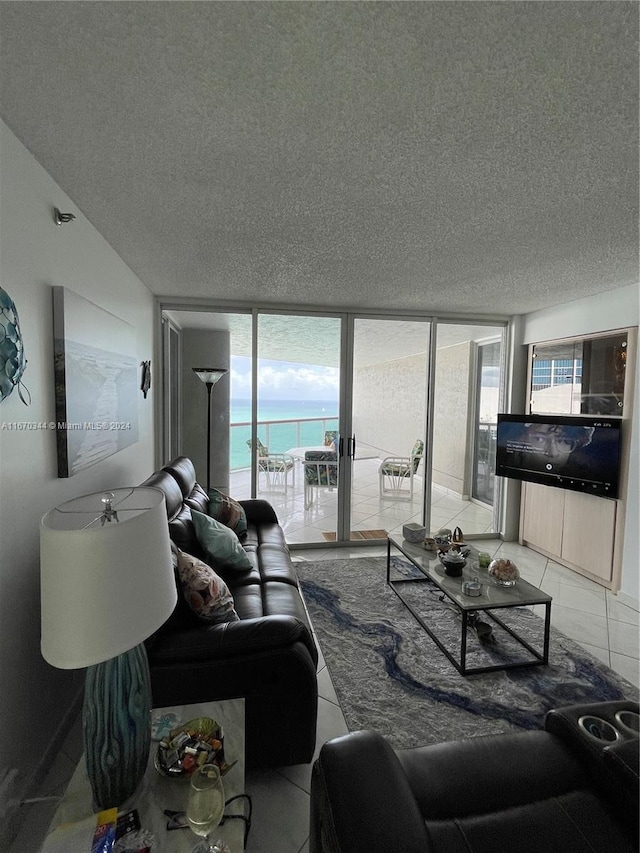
{"x":575,"y":529}
{"x":589,"y":533}
{"x":542,"y":517}
{"x":587,"y":376}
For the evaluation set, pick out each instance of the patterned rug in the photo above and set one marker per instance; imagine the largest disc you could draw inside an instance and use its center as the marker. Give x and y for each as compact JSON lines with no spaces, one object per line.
{"x":390,"y":676}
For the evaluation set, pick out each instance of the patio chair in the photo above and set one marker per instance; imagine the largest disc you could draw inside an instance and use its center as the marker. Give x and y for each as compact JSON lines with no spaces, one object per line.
{"x":275,"y":467}
{"x":320,"y":472}
{"x":331,"y":439}
{"x":396,"y":474}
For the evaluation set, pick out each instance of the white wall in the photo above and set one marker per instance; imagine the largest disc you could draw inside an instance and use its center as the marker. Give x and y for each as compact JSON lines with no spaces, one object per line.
{"x":388,"y":406}
{"x":34,"y":255}
{"x":618,"y":309}
{"x":205,"y":348}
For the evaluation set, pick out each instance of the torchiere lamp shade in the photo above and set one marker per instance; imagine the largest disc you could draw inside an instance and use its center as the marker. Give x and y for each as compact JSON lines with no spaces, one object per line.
{"x":107,"y":583}
{"x":210,"y":375}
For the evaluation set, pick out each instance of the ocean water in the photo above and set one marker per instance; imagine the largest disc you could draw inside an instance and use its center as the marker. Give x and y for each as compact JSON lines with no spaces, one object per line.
{"x":310,"y":419}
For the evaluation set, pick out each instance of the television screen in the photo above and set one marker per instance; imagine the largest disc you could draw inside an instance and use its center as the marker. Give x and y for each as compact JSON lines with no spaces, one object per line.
{"x":576,"y":453}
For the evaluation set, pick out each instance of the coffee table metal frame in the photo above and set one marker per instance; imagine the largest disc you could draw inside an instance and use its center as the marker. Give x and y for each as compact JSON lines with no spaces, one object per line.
{"x":523,"y":593}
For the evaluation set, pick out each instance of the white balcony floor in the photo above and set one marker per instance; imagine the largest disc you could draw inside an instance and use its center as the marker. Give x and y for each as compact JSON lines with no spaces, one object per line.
{"x":369,"y":511}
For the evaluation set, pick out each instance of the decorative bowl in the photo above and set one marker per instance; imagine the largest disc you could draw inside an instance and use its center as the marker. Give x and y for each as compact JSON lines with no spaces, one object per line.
{"x":188,"y":745}
{"x":503,"y":572}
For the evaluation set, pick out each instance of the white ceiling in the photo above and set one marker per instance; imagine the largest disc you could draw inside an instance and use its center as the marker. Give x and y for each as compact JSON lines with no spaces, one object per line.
{"x":473,"y":157}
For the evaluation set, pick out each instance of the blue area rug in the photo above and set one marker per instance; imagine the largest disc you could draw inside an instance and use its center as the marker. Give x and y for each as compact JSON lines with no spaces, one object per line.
{"x":391,"y":677}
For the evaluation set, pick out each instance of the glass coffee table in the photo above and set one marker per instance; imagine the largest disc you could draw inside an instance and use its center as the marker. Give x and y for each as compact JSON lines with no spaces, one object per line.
{"x":468,"y":608}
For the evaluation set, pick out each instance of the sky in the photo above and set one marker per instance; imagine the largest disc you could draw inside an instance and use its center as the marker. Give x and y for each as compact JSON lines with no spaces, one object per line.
{"x":283,"y":380}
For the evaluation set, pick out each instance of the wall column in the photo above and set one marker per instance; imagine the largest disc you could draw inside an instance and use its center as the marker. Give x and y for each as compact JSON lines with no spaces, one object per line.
{"x":206,"y":348}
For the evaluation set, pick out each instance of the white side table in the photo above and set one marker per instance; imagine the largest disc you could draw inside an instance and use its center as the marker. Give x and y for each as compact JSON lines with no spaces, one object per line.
{"x":157,"y":793}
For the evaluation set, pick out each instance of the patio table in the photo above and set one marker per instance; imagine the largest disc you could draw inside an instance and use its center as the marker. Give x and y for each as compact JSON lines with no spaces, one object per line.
{"x":299,"y":452}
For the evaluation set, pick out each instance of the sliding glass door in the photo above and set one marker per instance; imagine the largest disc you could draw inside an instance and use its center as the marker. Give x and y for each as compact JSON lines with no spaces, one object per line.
{"x":390,"y":369}
{"x":297,"y":392}
{"x":467,"y":394}
{"x":487,"y":406}
{"x":349,"y":425}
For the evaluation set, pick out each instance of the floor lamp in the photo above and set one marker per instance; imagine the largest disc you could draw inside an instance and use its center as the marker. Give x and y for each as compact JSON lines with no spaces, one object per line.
{"x":209,"y":375}
{"x":107,"y":583}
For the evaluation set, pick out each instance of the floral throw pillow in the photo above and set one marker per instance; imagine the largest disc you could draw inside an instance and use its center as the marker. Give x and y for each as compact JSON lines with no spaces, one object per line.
{"x":227,"y":511}
{"x":205,"y":592}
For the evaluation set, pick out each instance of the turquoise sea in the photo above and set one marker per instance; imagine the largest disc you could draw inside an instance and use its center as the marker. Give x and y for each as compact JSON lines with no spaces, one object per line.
{"x":308,"y":421}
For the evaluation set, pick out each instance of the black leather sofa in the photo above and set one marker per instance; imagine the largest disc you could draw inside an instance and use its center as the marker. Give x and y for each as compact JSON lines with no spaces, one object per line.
{"x":559,"y":790}
{"x":269,"y":656}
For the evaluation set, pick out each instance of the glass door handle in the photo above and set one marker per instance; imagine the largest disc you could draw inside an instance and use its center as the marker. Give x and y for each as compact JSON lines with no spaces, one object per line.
{"x":351,"y":446}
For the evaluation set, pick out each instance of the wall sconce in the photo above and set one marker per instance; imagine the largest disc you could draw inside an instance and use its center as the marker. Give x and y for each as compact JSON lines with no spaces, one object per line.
{"x":62,"y":218}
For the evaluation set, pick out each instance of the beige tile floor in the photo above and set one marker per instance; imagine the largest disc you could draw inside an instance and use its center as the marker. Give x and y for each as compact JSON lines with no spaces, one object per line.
{"x":588,"y":613}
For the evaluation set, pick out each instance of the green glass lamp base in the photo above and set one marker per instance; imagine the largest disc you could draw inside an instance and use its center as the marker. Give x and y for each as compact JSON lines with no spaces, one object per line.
{"x":117,"y":726}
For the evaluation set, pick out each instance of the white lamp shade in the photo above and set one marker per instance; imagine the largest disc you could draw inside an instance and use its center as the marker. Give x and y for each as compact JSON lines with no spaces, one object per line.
{"x":105,"y":587}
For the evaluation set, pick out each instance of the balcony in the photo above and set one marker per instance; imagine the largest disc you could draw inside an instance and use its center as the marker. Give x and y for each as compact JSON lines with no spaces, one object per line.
{"x":371,"y":516}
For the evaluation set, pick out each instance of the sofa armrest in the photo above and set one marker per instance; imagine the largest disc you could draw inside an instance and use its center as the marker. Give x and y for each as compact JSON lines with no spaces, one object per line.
{"x":228,"y":639}
{"x":613,"y":766}
{"x":361,"y":801}
{"x":259,"y":512}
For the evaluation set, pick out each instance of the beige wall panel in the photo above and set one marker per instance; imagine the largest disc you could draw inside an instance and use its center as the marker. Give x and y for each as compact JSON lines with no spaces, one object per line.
{"x":589,"y":525}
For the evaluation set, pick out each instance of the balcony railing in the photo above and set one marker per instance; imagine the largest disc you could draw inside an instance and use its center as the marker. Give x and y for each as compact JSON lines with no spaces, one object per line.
{"x":278,"y":436}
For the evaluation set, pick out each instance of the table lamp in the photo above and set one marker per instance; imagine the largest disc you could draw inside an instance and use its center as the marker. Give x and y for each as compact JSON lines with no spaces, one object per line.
{"x":209,"y":375}
{"x":107,"y":583}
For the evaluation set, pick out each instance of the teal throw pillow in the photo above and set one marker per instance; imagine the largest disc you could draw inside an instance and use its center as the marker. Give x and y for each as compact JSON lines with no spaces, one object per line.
{"x":227,"y":511}
{"x":219,"y":542}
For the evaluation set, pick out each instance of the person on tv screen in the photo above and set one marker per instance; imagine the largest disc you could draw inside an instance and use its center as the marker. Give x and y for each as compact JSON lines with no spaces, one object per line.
{"x":555,"y":447}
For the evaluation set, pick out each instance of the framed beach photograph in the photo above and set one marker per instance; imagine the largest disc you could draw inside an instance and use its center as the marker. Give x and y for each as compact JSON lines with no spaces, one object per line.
{"x":96,"y":382}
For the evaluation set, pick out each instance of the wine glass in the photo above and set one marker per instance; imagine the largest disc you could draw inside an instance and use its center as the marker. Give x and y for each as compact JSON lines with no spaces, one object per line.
{"x":205,"y":806}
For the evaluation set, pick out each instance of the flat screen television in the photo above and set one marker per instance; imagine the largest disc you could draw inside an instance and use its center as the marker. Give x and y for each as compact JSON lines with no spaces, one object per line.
{"x":578,"y":453}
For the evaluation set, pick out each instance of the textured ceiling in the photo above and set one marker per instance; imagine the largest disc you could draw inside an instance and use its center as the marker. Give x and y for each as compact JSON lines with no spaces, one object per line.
{"x":440,"y":156}
{"x":316,"y":340}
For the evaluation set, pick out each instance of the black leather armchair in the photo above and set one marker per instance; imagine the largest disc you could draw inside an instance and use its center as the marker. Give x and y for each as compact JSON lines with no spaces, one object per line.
{"x":554,"y":791}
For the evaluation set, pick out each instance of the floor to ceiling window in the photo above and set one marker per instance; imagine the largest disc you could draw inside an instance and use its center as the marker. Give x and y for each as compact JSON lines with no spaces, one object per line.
{"x":298,"y":391}
{"x":389,"y":415}
{"x":467,"y":395}
{"x":321,"y":410}
{"x":487,"y":406}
